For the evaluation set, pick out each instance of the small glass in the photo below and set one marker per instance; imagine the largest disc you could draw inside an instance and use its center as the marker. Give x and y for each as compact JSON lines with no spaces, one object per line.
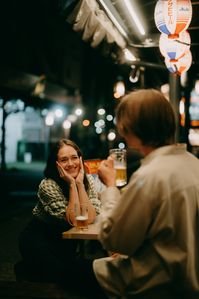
{"x":119,"y":157}
{"x":81,"y":217}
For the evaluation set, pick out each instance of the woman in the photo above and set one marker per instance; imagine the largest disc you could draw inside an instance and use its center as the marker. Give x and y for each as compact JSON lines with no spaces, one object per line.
{"x":66,"y":185}
{"x":47,"y":257}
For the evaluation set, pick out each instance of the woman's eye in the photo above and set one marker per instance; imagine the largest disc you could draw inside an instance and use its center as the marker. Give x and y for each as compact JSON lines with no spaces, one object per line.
{"x":64,"y":160}
{"x":74,"y":158}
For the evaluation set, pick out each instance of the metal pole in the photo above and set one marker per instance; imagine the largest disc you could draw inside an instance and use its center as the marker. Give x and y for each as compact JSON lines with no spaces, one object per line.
{"x":175,"y":96}
{"x":47,"y":140}
{"x":3,"y":140}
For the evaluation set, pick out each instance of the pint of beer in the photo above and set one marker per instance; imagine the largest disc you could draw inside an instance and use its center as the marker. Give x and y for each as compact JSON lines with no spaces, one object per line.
{"x":81,"y":217}
{"x":82,"y":222}
{"x":119,"y":156}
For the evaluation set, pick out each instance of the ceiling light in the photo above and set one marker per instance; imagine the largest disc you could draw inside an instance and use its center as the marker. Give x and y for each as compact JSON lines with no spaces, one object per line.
{"x":111,"y":136}
{"x":109,"y":117}
{"x":129,"y":55}
{"x":59,"y":112}
{"x":86,"y":122}
{"x":121,"y":145}
{"x":134,"y":74}
{"x":197,"y":86}
{"x":49,"y":120}
{"x":98,"y":130}
{"x":66,"y":124}
{"x":113,"y":19}
{"x":78,"y":111}
{"x":133,"y":14}
{"x":119,"y":88}
{"x":101,"y":111}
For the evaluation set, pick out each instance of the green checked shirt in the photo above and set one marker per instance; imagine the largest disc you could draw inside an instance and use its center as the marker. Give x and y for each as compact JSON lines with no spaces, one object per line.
{"x":52,"y":203}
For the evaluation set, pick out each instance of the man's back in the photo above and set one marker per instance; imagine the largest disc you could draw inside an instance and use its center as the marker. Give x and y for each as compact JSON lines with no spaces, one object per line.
{"x":156,"y":223}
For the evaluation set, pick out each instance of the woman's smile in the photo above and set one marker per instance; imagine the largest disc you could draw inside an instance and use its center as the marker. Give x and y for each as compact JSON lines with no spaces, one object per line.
{"x":73,"y":171}
{"x":69,"y":159}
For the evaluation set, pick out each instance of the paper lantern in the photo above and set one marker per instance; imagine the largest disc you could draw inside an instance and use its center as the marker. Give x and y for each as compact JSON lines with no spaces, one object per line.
{"x":180,"y":66}
{"x":173,"y":16}
{"x":173,"y":49}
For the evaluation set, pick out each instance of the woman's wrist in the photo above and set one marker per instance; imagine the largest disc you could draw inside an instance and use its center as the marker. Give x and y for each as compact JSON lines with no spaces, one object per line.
{"x":72,"y":183}
{"x":80,"y":184}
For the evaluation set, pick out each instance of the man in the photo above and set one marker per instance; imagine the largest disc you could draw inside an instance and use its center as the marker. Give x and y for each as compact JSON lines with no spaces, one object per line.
{"x":152,"y":228}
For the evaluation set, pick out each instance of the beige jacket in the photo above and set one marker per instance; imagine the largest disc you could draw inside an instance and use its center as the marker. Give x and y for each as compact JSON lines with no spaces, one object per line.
{"x":154,"y":224}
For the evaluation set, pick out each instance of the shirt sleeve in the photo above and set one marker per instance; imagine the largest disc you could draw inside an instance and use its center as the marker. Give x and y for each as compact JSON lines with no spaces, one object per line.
{"x":125,"y":217}
{"x":52,"y":199}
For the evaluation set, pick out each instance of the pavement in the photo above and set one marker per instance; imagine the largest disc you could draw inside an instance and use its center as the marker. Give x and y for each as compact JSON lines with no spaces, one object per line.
{"x":18,"y":195}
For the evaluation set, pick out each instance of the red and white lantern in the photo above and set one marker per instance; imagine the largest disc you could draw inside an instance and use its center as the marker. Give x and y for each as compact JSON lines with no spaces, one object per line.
{"x":174,"y":49}
{"x":173,"y":16}
{"x":180,"y":66}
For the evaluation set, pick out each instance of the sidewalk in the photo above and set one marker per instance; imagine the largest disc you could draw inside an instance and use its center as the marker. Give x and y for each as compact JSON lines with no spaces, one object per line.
{"x":20,"y":180}
{"x":18,"y":195}
{"x":10,"y":227}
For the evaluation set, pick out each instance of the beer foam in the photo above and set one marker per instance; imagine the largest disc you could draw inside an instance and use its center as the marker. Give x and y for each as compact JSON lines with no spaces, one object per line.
{"x":119,"y":166}
{"x":81,"y":218}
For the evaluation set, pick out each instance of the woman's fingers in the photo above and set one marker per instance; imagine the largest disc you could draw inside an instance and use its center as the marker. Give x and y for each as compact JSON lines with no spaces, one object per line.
{"x":81,"y":165}
{"x":60,"y":169}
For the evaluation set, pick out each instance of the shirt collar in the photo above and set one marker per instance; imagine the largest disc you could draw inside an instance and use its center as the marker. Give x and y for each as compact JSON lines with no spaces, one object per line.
{"x":165,"y":150}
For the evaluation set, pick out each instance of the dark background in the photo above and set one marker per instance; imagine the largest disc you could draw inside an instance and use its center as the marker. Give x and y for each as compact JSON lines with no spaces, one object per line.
{"x":37,"y":42}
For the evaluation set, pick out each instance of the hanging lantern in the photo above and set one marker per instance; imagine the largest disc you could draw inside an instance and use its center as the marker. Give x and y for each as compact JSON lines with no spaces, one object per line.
{"x":180,"y":66}
{"x":173,"y":16}
{"x":174,"y":49}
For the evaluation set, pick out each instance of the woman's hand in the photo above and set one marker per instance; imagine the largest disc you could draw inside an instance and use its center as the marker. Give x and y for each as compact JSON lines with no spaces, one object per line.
{"x":80,"y":177}
{"x":64,"y":175}
{"x":107,"y":172}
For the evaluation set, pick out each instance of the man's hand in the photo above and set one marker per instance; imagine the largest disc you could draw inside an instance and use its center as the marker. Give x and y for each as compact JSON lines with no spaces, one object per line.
{"x":107,"y":172}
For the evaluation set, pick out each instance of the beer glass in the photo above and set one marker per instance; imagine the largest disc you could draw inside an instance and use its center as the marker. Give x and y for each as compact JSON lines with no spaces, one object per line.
{"x":119,"y":157}
{"x":81,"y":217}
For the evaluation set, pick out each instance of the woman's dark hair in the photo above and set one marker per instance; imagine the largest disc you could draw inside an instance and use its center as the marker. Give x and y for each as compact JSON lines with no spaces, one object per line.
{"x":51,"y":172}
{"x":147,"y":114}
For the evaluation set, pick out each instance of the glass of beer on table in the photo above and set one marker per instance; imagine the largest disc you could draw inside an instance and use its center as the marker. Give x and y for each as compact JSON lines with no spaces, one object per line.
{"x":81,"y":217}
{"x":119,"y":157}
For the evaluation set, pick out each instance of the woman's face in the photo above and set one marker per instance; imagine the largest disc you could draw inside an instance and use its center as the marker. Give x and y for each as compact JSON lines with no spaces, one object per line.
{"x":68,"y":158}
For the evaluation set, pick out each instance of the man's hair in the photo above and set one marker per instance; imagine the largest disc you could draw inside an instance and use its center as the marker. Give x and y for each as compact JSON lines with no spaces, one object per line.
{"x":148,"y":115}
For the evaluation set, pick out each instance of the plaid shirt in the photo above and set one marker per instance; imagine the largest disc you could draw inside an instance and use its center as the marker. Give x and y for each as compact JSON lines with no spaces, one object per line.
{"x":52,"y":203}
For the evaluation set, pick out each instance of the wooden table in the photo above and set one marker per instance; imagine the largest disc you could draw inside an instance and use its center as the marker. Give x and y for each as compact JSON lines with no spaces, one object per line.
{"x":89,"y":234}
